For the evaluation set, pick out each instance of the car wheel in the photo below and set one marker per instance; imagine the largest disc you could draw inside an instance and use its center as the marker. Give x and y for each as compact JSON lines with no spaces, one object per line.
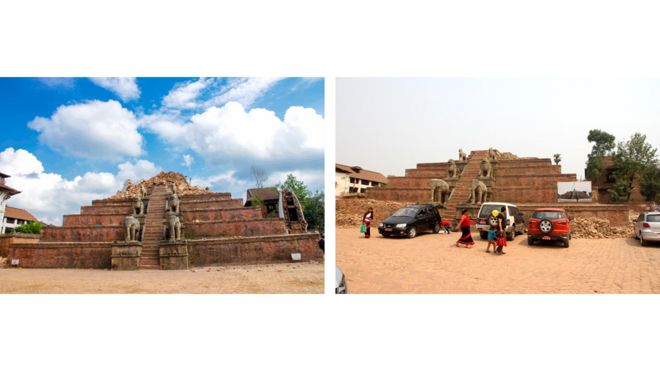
{"x":642,"y":241}
{"x":512,"y":235}
{"x":483,"y":235}
{"x":436,"y":228}
{"x":530,"y":241}
{"x":412,"y":232}
{"x":566,"y":243}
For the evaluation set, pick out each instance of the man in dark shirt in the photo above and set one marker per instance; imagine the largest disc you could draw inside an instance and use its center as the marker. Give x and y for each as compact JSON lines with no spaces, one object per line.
{"x":501,"y":229}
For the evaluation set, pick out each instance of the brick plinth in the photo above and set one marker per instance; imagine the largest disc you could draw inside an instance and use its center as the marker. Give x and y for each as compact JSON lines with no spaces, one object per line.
{"x":62,"y":254}
{"x":245,"y":228}
{"x":251,"y":250}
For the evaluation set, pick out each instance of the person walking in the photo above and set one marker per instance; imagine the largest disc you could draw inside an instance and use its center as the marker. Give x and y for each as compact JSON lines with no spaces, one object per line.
{"x":492,"y":233}
{"x":501,"y":231}
{"x":366,"y":220}
{"x":464,"y":224}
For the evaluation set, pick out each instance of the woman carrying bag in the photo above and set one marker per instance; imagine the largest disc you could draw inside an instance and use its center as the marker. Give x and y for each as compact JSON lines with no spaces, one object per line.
{"x":366,"y":223}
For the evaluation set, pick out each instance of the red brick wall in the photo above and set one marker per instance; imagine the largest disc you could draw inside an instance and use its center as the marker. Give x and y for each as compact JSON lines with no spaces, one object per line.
{"x":62,"y":255}
{"x":112,"y":209}
{"x":409,"y":182}
{"x":259,"y":227}
{"x":210,"y":205}
{"x":533,"y":180}
{"x":253,"y":250}
{"x":7,"y":240}
{"x":526,"y":170}
{"x":412,"y":195}
{"x":85,"y":234}
{"x":616,"y":214}
{"x":207,"y":196}
{"x":91,"y":220}
{"x":244,"y":213}
{"x":434,"y":173}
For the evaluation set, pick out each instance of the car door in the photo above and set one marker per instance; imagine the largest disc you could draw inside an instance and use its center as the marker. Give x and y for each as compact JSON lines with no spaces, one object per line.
{"x":422,"y":219}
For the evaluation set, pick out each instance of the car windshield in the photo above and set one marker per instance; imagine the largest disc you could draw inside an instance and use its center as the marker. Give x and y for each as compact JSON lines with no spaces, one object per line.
{"x":486,"y":210}
{"x":654,"y":218}
{"x":406,"y":211}
{"x":548,"y":215}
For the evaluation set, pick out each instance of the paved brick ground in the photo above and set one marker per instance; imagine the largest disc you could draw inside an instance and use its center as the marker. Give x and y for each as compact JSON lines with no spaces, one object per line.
{"x":430,"y":264}
{"x":292,"y":278}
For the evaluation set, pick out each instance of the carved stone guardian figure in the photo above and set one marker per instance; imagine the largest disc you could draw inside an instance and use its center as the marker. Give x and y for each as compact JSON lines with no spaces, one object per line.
{"x":173,"y":226}
{"x":478,"y":192}
{"x":486,"y":169}
{"x":453,"y":170}
{"x":132,"y":228}
{"x":461,"y":155}
{"x":439,"y":190}
{"x":139,"y":206}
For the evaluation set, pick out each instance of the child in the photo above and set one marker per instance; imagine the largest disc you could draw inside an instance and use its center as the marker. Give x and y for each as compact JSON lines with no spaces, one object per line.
{"x":446,"y":225}
{"x":491,"y":234}
{"x":501,"y":242}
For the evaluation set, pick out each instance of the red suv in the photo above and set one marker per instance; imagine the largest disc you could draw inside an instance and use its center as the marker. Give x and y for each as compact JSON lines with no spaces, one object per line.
{"x":549,"y":224}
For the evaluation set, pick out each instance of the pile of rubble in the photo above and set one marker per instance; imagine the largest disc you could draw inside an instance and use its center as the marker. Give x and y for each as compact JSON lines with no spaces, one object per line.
{"x":599,"y":228}
{"x":131,"y":190}
{"x":505,"y":156}
{"x":349,"y":210}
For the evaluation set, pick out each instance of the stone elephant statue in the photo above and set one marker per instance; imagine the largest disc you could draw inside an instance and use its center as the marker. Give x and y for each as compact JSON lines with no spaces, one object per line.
{"x":485,"y":169}
{"x":453,"y":170}
{"x":173,"y":226}
{"x":439,"y":190}
{"x":478,"y":192}
{"x":461,"y":155}
{"x":132,"y":225}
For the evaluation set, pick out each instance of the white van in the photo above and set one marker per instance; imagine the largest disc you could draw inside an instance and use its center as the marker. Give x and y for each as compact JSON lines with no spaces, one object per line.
{"x":515,"y":223}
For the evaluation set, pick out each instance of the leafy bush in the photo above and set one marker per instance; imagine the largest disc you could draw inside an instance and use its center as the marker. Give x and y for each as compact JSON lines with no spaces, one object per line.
{"x":30,"y":227}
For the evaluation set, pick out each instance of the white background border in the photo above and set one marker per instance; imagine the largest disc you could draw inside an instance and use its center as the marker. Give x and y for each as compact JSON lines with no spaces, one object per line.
{"x":339,"y":38}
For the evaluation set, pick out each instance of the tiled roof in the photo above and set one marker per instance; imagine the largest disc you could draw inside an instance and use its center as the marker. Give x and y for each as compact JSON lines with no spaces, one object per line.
{"x":263,"y":194}
{"x":16,"y":213}
{"x":360,"y":173}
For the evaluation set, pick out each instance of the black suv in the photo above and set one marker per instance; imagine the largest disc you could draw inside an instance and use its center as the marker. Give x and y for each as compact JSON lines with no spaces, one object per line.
{"x":409,"y":220}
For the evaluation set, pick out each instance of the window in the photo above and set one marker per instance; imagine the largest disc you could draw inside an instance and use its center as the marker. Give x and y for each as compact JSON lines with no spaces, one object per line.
{"x":365,"y":182}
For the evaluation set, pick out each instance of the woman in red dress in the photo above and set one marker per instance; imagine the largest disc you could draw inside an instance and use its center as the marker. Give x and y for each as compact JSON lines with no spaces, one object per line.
{"x":466,"y":237}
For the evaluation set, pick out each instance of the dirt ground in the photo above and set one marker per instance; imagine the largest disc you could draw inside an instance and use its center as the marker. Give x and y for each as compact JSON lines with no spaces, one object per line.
{"x":290,"y":278}
{"x":430,"y":263}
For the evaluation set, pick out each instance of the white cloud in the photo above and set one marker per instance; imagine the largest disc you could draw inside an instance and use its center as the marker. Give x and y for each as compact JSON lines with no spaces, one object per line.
{"x":125,"y":87}
{"x":19,"y":162}
{"x":224,"y":182}
{"x":231,"y":132}
{"x":58,"y":82}
{"x":313,"y":179}
{"x":188,"y":160}
{"x":184,"y":95}
{"x":49,"y":195}
{"x":141,"y":169}
{"x":95,"y":129}
{"x":243,"y":90}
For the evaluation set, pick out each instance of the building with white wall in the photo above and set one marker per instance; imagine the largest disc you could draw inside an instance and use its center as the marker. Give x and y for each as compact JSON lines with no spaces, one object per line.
{"x":5,"y":193}
{"x":354,"y":179}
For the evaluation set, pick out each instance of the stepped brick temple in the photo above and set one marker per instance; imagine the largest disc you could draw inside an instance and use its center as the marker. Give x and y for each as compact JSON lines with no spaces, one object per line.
{"x":165,"y":223}
{"x":494,"y":176}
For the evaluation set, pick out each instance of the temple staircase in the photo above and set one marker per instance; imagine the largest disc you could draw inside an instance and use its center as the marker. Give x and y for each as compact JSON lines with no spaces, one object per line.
{"x":461,"y":192}
{"x":153,"y":224}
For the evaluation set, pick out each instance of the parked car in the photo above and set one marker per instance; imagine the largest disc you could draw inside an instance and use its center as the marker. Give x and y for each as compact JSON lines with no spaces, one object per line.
{"x":515,"y":222}
{"x":549,"y":224}
{"x":411,"y":220}
{"x":340,"y":282}
{"x":647,"y":227}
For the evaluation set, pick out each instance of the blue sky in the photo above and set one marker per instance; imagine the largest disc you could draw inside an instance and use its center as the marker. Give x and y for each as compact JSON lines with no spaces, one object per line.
{"x":87,"y":136}
{"x":390,"y":124}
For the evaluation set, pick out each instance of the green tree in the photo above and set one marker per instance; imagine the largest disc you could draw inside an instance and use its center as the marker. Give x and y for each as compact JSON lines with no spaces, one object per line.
{"x":557,"y":158}
{"x":649,"y":184}
{"x":603,"y":145}
{"x":30,"y":227}
{"x":296,"y":186}
{"x":632,"y":159}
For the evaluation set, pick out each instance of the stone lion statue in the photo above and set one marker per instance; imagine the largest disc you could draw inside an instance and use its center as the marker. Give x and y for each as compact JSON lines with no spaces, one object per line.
{"x":173,"y":226}
{"x":453,"y":170}
{"x":486,"y":169}
{"x":478,"y":192}
{"x":132,"y":228}
{"x":461,"y":155}
{"x":172,"y":203}
{"x":439,"y":190}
